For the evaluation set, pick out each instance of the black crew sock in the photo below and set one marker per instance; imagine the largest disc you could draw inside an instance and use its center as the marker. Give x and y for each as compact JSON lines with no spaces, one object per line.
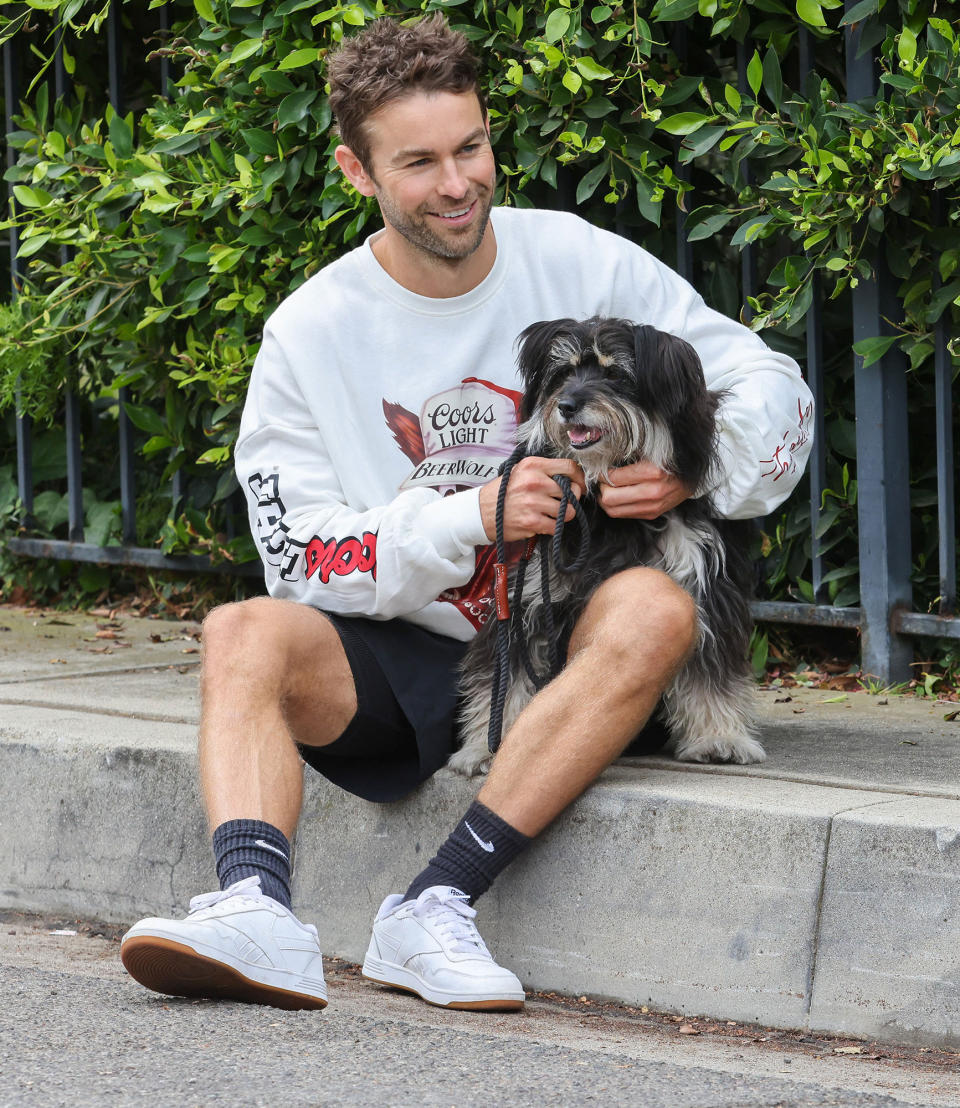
{"x":248,"y":847}
{"x":480,"y":847}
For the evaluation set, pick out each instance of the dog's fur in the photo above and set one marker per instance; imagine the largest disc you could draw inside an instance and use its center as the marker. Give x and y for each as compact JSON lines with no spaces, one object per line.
{"x":605,"y":393}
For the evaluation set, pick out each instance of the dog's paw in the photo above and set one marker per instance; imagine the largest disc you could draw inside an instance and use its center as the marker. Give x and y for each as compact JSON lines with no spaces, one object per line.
{"x":741,"y":750}
{"x":470,"y":760}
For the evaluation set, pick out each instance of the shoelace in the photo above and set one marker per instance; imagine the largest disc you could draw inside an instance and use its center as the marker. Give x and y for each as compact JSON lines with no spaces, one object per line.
{"x":453,"y":918}
{"x":248,"y":886}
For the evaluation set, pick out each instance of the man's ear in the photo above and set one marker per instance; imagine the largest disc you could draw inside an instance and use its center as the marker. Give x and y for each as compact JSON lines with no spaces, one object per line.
{"x":354,"y":172}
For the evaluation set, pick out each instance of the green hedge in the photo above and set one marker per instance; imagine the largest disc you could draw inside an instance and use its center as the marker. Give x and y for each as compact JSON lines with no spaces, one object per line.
{"x":190,"y":218}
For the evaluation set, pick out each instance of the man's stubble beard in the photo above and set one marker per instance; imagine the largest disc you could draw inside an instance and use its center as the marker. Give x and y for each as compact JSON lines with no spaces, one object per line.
{"x":415,"y":230}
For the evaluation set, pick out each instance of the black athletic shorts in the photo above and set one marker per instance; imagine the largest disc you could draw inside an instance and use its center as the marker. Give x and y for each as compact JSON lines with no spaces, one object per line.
{"x":403,"y":731}
{"x":405,"y":726}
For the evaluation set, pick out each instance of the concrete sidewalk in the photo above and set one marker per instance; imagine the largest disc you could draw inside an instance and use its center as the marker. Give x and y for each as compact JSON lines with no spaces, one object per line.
{"x":819,"y":890}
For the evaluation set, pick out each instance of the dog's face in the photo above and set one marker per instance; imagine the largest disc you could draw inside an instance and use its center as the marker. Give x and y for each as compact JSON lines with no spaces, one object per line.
{"x":606,"y":392}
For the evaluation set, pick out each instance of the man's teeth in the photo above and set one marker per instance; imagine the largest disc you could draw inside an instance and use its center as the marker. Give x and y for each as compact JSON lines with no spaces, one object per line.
{"x":453,"y":215}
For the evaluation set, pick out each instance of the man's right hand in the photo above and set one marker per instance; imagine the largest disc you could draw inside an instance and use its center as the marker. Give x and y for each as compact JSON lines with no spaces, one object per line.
{"x":533,"y":498}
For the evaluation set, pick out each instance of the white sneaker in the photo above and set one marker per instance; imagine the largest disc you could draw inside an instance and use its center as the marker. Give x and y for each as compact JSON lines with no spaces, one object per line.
{"x":237,"y":944}
{"x":430,"y":946}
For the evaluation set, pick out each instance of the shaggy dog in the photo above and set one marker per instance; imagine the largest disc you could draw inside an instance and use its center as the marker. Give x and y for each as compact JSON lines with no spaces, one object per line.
{"x":605,"y":393}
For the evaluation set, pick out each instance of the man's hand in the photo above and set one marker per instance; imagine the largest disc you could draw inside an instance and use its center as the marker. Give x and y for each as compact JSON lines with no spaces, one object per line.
{"x":533,"y":498}
{"x":641,"y":491}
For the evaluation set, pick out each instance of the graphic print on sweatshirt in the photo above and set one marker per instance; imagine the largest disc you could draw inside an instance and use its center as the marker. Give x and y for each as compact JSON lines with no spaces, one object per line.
{"x":457,"y":442}
{"x":320,"y":557}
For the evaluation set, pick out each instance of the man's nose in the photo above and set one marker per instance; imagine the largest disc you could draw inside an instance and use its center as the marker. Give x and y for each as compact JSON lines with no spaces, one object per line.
{"x":452,"y":180}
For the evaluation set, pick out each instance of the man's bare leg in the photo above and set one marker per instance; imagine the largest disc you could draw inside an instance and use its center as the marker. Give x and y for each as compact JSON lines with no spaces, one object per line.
{"x":634,"y":635}
{"x":274,"y":673}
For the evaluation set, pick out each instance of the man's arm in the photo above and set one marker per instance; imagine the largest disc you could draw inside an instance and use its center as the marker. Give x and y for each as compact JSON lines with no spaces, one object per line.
{"x":382,"y":561}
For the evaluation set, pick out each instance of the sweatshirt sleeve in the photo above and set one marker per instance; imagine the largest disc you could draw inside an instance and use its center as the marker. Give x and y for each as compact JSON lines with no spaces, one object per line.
{"x":386,"y":561}
{"x":766,"y":418}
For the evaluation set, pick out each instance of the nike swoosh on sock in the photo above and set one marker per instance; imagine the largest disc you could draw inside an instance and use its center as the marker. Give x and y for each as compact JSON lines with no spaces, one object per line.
{"x":485,"y":844}
{"x":275,"y":849}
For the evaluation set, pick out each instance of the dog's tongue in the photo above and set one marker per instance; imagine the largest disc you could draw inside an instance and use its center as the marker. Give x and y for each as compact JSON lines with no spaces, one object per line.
{"x":579,"y":435}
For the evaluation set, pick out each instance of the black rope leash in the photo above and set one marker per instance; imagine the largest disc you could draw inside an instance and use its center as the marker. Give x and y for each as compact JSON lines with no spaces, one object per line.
{"x":511,"y":623}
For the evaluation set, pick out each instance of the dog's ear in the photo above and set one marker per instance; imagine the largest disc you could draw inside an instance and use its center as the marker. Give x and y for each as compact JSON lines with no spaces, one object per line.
{"x":671,"y":386}
{"x":533,"y":359}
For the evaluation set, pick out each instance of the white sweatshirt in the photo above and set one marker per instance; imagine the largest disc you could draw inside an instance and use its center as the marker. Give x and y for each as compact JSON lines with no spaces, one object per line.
{"x":374,"y":415}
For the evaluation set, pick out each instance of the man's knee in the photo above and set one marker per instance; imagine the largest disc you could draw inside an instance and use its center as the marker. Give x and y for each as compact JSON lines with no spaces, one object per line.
{"x":641,"y":615}
{"x":267,"y":638}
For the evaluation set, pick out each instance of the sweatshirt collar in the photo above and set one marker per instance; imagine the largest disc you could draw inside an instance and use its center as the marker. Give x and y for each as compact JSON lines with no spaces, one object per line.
{"x":382,"y":284}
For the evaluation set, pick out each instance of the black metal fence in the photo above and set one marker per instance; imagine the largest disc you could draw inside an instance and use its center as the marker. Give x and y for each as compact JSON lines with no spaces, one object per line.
{"x":885,"y":619}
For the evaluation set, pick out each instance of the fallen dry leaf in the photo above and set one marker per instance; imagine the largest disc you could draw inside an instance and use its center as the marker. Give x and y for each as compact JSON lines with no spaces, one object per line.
{"x":848,"y":1050}
{"x":798,"y":711}
{"x":687,"y":1029}
{"x":783,"y":700}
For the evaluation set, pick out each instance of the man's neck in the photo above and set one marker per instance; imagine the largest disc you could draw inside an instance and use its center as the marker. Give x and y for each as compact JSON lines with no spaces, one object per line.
{"x":427,"y":275}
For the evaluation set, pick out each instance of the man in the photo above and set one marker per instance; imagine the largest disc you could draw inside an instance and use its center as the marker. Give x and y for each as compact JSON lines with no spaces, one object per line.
{"x":381,"y":403}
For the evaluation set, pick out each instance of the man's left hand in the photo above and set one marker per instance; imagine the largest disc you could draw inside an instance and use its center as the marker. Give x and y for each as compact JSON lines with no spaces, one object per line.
{"x":641,"y":491}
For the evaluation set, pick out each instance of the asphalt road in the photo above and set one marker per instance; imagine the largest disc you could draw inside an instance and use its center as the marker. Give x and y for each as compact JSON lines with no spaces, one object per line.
{"x":75,"y":1030}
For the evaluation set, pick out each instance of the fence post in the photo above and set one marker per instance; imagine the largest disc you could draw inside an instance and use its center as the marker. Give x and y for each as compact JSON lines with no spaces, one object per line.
{"x":883,"y":499}
{"x":11,"y":93}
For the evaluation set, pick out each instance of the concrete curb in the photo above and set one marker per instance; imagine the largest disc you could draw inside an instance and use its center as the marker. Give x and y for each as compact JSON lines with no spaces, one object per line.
{"x":818,"y":891}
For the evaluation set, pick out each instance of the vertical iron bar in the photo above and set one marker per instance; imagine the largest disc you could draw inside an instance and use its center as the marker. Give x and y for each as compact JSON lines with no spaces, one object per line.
{"x":946,"y":504}
{"x":818,"y":456}
{"x":682,"y":170}
{"x":883,"y":497}
{"x":74,"y":455}
{"x":166,"y":79}
{"x":11,"y":92}
{"x":128,"y":505}
{"x":748,"y":258}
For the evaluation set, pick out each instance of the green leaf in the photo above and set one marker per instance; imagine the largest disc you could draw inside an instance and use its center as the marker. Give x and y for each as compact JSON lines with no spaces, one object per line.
{"x":811,"y":12}
{"x":588,"y":184}
{"x":683,"y":123}
{"x":558,"y":23}
{"x":772,"y":77}
{"x":260,"y":141}
{"x":145,"y":419}
{"x":247,"y":49}
{"x":592,"y":70}
{"x":33,"y":244}
{"x":755,"y":73}
{"x":205,"y":10}
{"x":749,"y":231}
{"x":572,"y":81}
{"x":295,"y":107}
{"x":32,"y":198}
{"x":297,"y":58}
{"x":872,"y":350}
{"x":860,"y":11}
{"x":907,"y":48}
{"x":706,"y":225}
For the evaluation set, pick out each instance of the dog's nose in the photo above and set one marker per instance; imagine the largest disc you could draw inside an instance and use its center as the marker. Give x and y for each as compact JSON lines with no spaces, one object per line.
{"x":567,"y":408}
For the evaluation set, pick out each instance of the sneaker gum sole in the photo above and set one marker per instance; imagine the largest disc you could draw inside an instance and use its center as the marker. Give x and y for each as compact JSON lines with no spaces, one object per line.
{"x":172,"y":968}
{"x":497,"y":1005}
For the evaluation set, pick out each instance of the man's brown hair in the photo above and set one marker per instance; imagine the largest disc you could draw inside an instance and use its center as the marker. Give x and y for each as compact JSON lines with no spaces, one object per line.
{"x":385,"y":62}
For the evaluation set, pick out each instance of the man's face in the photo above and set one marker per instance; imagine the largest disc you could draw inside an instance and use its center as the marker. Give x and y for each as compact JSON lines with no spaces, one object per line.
{"x":432,"y":172}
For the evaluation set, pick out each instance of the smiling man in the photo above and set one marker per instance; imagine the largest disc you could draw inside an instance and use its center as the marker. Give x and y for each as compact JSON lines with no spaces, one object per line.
{"x":382,"y":401}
